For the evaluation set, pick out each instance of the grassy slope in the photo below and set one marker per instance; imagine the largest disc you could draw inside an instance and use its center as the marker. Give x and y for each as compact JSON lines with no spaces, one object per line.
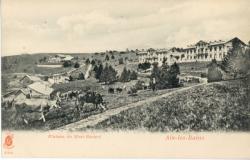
{"x":27,"y":62}
{"x":220,"y":106}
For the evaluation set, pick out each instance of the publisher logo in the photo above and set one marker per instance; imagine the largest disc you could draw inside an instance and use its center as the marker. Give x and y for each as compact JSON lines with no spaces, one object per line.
{"x":8,"y":141}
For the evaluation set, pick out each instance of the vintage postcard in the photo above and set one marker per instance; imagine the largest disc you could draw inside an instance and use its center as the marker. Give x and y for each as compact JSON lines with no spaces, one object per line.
{"x":125,"y":79}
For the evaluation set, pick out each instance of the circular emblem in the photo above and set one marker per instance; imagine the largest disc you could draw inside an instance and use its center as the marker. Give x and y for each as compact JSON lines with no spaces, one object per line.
{"x":8,"y":141}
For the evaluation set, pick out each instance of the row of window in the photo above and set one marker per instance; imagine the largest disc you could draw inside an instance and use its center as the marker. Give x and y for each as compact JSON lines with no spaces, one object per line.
{"x":206,"y":49}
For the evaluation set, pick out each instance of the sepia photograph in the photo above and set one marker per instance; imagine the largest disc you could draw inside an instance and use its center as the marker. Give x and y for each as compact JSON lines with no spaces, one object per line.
{"x":105,"y":67}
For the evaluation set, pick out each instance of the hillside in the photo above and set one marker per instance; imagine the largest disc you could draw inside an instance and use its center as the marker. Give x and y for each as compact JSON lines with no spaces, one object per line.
{"x":217,"y":106}
{"x":27,"y":62}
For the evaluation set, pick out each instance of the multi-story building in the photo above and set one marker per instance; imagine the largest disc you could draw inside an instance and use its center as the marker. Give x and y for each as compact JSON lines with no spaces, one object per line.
{"x":201,"y":51}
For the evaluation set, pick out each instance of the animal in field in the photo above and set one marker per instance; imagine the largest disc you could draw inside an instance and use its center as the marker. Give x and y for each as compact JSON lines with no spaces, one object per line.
{"x":111,"y":90}
{"x":118,"y":90}
{"x":91,"y":97}
{"x":31,"y":110}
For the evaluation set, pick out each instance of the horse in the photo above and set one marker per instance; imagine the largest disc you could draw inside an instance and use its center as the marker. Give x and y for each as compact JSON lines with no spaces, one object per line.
{"x":91,"y":97}
{"x":119,"y":90}
{"x":111,"y":90}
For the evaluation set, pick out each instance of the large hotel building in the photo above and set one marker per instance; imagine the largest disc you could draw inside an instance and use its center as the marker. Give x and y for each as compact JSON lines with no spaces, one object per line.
{"x":202,"y":51}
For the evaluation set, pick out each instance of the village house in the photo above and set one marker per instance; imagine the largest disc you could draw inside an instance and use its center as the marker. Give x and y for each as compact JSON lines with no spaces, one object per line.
{"x":57,"y":78}
{"x":40,"y":90}
{"x":60,"y":58}
{"x":16,"y":95}
{"x":202,"y":51}
{"x":28,"y":79}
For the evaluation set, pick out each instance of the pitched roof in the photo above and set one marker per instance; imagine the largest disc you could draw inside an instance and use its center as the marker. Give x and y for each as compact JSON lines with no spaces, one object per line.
{"x":33,"y":78}
{"x":41,"y":87}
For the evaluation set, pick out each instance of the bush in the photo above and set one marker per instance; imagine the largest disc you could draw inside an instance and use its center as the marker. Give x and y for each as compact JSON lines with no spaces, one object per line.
{"x":67,"y":64}
{"x":214,"y":74}
{"x":203,"y":75}
{"x":93,"y":62}
{"x":133,"y":75}
{"x":108,"y":75}
{"x":87,"y":61}
{"x":107,"y":58}
{"x":132,"y":91}
{"x":144,"y":66}
{"x":121,"y":61}
{"x":81,"y":76}
{"x":77,"y":65}
{"x":167,"y":77}
{"x":139,"y":85}
{"x":125,"y":75}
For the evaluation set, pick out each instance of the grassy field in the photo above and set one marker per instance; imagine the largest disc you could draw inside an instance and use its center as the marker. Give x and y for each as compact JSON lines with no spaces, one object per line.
{"x":193,"y":68}
{"x":67,"y":114}
{"x":222,"y":106}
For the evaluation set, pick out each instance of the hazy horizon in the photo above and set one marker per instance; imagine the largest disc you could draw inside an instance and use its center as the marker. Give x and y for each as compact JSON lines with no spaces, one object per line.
{"x":96,"y":26}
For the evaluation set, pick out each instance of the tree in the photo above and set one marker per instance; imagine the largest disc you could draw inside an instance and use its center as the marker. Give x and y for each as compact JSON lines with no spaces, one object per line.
{"x":144,"y":66}
{"x":112,"y":57}
{"x":236,"y":62}
{"x":133,"y":75}
{"x":124,"y":75}
{"x":87,"y":61}
{"x":121,"y":61}
{"x":155,"y":72}
{"x":81,"y":76}
{"x":98,"y":71}
{"x":174,"y":71}
{"x":67,"y":64}
{"x":108,"y":75}
{"x":214,"y":74}
{"x":166,"y":77}
{"x":70,"y":78}
{"x":164,"y":60}
{"x":93,"y":62}
{"x":107,"y":58}
{"x":77,"y":65}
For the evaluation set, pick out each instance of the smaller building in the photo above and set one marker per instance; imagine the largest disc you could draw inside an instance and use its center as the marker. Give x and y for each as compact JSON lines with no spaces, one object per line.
{"x":60,"y":58}
{"x":17,"y":96}
{"x":40,"y":90}
{"x":28,"y":79}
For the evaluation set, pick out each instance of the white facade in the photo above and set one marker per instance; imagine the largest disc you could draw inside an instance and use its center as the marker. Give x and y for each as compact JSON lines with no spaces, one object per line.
{"x":202,"y":51}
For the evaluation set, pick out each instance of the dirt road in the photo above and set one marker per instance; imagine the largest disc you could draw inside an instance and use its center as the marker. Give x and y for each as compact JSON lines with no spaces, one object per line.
{"x":95,"y":119}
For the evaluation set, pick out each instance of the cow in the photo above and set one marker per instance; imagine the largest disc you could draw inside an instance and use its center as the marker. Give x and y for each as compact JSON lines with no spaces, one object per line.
{"x":118,"y":90}
{"x":31,"y":111}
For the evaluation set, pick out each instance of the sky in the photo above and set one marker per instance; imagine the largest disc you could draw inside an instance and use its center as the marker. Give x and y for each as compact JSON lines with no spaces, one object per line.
{"x":84,"y":26}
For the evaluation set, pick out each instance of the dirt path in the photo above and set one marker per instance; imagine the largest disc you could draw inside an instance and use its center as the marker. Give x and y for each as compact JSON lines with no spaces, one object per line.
{"x":95,"y":119}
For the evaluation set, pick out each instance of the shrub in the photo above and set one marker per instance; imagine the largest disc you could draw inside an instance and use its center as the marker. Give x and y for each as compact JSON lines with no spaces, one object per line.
{"x":81,"y":76}
{"x":133,"y":75}
{"x":87,"y":61}
{"x":67,"y":64}
{"x":144,"y":66}
{"x":108,"y":75}
{"x":203,"y":75}
{"x":107,"y":58}
{"x":93,"y":62}
{"x":77,"y":65}
{"x":214,"y":74}
{"x":121,"y":61}
{"x":167,"y":77}
{"x":139,"y":85}
{"x":132,"y":91}
{"x":125,"y":75}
